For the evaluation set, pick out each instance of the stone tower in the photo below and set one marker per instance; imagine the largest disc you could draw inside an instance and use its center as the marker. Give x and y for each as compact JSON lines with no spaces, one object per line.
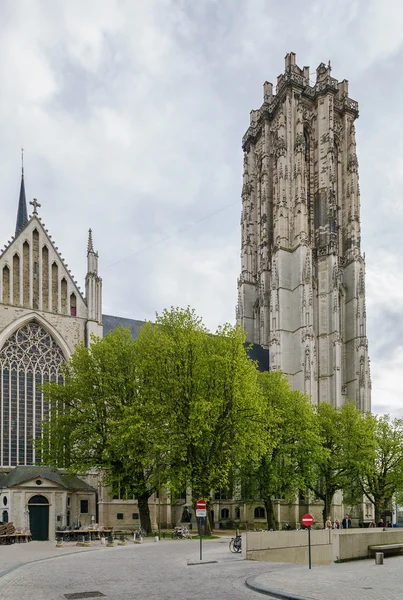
{"x":302,"y":283}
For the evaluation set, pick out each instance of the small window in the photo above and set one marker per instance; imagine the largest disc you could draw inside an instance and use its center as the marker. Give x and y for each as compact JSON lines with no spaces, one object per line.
{"x":38,"y":482}
{"x":135,"y":516}
{"x":73,"y":305}
{"x":237,"y":513}
{"x":83,"y":506}
{"x":259,"y":512}
{"x":119,"y":516}
{"x":224,"y":513}
{"x":5,"y":500}
{"x":68,"y":501}
{"x":5,"y":516}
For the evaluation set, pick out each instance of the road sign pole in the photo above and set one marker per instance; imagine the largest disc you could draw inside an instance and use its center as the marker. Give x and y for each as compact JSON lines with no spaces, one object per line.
{"x":307,"y":521}
{"x":200,"y":534}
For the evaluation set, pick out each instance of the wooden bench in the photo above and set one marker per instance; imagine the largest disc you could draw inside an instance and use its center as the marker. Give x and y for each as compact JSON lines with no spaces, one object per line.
{"x":385,"y":548}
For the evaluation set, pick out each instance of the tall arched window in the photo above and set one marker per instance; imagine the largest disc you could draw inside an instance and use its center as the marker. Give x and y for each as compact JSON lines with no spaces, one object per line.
{"x":28,"y":358}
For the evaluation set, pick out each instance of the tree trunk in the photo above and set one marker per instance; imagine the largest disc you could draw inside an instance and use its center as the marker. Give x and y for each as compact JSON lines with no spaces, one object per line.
{"x":144,"y":511}
{"x":271,"y":519}
{"x":327,"y":500}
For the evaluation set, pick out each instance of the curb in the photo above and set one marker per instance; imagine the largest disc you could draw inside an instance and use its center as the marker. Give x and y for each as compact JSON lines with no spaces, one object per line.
{"x":201,"y":562}
{"x":274,"y":593}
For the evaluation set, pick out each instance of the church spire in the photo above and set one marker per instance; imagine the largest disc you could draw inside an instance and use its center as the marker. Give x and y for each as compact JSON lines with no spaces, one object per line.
{"x":22,"y":214}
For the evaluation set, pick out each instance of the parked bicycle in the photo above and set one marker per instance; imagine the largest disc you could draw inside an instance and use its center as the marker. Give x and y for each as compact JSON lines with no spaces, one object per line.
{"x":235,"y":544}
{"x":181,"y":533}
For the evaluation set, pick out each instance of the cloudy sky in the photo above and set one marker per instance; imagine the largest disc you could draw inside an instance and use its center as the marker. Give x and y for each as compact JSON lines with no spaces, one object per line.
{"x":131,"y":113}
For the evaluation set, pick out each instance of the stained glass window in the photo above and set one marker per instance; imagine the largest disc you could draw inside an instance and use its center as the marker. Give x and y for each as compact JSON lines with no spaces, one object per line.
{"x":28,"y":358}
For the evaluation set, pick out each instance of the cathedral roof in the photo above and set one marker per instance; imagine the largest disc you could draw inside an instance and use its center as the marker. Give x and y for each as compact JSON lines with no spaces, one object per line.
{"x":109,"y":322}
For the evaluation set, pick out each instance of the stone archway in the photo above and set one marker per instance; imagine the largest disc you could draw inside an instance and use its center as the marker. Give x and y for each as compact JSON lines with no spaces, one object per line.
{"x":39,"y":517}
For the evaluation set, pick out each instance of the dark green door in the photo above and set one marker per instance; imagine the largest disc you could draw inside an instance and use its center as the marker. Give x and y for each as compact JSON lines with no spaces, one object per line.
{"x":39,"y":518}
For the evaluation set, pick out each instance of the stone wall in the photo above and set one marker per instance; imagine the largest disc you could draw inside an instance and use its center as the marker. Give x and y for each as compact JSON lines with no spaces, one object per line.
{"x":326,"y":545}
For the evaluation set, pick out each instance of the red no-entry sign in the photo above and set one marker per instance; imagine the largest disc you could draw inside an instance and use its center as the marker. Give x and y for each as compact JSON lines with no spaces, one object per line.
{"x":201,"y":505}
{"x":307,"y":520}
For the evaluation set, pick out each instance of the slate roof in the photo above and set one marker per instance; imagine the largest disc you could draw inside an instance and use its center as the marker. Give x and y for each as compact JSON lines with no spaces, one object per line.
{"x":260,"y":354}
{"x":21,"y":474}
{"x":109,"y":322}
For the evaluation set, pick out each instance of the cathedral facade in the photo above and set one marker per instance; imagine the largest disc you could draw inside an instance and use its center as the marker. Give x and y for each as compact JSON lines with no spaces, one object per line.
{"x":301,"y":291}
{"x":43,"y":316}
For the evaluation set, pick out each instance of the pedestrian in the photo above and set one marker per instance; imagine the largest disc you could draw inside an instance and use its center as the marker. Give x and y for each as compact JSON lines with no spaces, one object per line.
{"x":328,"y":524}
{"x":336,"y":524}
{"x":346,"y":522}
{"x":372,"y":524}
{"x":381,"y":523}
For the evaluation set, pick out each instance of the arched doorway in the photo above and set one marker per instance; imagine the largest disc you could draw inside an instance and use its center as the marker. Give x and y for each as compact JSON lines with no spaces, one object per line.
{"x":39,"y":517}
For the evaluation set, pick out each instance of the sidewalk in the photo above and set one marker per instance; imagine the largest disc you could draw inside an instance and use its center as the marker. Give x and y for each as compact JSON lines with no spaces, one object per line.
{"x":355,"y":580}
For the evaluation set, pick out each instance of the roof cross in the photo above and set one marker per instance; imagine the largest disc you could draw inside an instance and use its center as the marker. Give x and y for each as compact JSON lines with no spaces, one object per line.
{"x":36,"y":205}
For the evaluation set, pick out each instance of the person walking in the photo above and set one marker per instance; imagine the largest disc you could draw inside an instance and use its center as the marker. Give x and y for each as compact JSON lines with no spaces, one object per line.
{"x":328,"y":524}
{"x":336,"y":524}
{"x":346,"y":522}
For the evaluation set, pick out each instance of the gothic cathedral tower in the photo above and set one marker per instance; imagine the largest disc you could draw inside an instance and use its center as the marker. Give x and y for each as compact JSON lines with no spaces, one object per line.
{"x":302,"y":284}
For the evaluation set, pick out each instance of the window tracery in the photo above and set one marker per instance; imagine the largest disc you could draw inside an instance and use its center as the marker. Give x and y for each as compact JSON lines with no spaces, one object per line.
{"x":29,"y":358}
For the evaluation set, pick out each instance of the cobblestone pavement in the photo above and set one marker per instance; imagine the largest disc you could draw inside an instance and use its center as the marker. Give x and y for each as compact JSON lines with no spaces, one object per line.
{"x":356,"y":580}
{"x":160,"y":571}
{"x":19,"y":554}
{"x":155,"y":571}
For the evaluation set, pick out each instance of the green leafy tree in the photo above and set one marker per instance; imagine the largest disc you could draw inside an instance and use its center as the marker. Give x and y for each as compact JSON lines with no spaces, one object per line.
{"x":341,"y":431}
{"x":292,"y":446}
{"x":382,"y":475}
{"x":178,"y":405}
{"x":101,"y":419}
{"x":209,"y":388}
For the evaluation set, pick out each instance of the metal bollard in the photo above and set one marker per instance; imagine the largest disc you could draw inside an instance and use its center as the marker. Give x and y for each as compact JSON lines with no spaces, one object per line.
{"x":379,"y":558}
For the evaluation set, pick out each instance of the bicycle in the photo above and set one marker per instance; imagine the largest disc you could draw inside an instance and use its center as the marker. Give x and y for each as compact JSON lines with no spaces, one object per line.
{"x":141,"y":532}
{"x":235,"y":544}
{"x":181,"y":533}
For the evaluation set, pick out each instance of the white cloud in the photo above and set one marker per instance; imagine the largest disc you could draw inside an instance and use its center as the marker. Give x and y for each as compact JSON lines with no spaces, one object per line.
{"x":132,"y":115}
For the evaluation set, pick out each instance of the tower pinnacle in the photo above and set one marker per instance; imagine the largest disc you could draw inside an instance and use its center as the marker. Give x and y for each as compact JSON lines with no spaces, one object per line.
{"x":22,"y":213}
{"x":90,"y":245}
